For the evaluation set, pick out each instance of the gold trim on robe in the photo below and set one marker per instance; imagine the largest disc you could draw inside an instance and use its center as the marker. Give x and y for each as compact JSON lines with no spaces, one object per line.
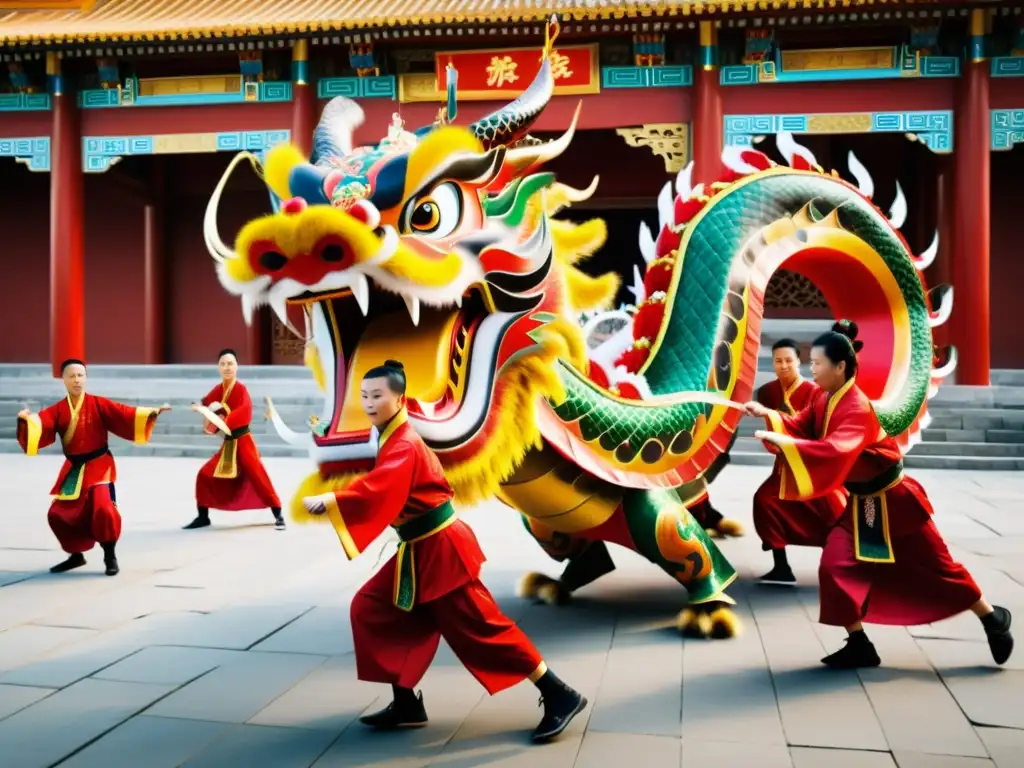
{"x":348,"y":544}
{"x":33,"y":433}
{"x":145,"y":421}
{"x":227,"y":466}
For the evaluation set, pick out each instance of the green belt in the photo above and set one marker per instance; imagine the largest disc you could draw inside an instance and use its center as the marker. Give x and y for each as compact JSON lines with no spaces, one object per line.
{"x":876,"y":484}
{"x":424,"y":525}
{"x":871,"y":540}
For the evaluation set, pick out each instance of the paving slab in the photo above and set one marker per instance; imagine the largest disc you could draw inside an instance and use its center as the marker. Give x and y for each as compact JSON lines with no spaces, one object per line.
{"x":238,"y":689}
{"x":258,"y":746}
{"x":600,"y":750}
{"x":154,"y":742}
{"x":51,"y":729}
{"x":232,"y":646}
{"x":14,"y":698}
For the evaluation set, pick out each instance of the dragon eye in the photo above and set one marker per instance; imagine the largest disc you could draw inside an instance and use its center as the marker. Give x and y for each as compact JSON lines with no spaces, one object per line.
{"x":438,"y":213}
{"x":272,"y":260}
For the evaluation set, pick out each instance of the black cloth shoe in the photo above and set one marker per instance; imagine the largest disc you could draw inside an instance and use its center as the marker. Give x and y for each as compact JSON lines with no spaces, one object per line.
{"x":110,"y":560}
{"x":997,"y":629}
{"x":779,"y":576}
{"x":202,"y":519}
{"x":406,"y":711}
{"x":561,"y":704}
{"x":859,"y":652}
{"x":76,"y":560}
{"x":278,"y":519}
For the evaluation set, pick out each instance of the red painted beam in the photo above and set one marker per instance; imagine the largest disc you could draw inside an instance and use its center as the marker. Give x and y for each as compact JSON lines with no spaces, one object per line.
{"x":67,"y":262}
{"x":211,"y":118}
{"x":1006,"y":93}
{"x":18,"y":125}
{"x":815,"y":98}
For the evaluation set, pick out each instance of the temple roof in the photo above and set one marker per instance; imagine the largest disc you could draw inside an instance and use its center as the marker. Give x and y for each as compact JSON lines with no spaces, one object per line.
{"x":134,"y":20}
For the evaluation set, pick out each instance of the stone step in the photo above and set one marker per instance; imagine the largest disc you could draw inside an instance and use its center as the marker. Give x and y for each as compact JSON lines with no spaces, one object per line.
{"x":1007,"y":377}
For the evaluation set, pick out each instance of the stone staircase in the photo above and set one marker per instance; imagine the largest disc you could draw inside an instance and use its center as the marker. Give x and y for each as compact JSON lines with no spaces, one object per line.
{"x":979,"y":428}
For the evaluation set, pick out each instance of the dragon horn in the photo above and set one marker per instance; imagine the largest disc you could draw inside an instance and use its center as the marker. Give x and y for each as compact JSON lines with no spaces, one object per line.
{"x":510,"y":123}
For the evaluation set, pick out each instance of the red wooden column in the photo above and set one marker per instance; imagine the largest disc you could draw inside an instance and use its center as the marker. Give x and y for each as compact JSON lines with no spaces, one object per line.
{"x":971,"y":235}
{"x":303,"y":98}
{"x":67,"y":263}
{"x":708,"y":123}
{"x":153,"y":258}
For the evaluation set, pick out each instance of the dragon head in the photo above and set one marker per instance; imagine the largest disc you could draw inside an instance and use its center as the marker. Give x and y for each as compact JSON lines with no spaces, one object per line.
{"x":439,"y":248}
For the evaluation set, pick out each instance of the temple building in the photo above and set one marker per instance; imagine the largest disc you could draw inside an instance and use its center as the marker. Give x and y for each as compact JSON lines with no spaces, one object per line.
{"x":117,"y":117}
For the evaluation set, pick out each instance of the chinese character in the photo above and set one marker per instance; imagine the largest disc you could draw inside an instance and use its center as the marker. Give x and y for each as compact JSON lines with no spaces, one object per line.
{"x":501,"y":70}
{"x":560,"y":66}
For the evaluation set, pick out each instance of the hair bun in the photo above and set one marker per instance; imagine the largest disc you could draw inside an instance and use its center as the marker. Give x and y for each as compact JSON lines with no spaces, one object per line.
{"x":858,"y":346}
{"x":847,"y":328}
{"x":394,"y":364}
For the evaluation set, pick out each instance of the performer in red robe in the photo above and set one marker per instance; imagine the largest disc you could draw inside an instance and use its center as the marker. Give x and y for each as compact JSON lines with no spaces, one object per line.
{"x":234,"y":478}
{"x":885,"y":562}
{"x":780,"y":523}
{"x":431,"y":588}
{"x":84,"y":507}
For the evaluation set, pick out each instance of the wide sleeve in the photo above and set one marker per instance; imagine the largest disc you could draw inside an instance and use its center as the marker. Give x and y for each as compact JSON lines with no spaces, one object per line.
{"x":799,"y":425}
{"x":362,"y":511}
{"x":238,"y":409}
{"x":814,"y":468}
{"x":37,"y":430}
{"x":212,"y":396}
{"x":126,"y":421}
{"x":764,"y":396}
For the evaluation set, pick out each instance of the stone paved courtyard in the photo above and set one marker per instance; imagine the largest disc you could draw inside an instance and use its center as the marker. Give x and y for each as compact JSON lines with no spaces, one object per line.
{"x":230,"y":646}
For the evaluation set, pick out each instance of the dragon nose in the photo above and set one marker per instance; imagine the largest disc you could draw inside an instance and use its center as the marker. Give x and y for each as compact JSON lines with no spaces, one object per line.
{"x":294,"y":206}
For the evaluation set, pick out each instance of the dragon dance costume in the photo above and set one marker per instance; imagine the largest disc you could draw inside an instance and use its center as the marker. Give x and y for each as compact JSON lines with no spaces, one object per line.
{"x":84,"y":508}
{"x":234,"y":478}
{"x":443,"y":247}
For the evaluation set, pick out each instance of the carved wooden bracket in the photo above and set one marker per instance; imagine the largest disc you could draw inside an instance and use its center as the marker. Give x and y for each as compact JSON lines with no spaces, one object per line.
{"x":669,"y":141}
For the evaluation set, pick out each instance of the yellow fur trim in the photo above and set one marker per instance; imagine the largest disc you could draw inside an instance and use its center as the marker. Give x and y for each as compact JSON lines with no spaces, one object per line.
{"x":277,"y":168}
{"x":315,"y":485}
{"x":299,"y":233}
{"x":730,"y":527}
{"x":552,"y":593}
{"x":435,"y":147}
{"x":725,"y":623}
{"x":531,"y":583}
{"x":588,"y":293}
{"x":576,"y":242}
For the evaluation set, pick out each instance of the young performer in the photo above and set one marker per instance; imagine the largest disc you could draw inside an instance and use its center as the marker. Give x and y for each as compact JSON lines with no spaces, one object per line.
{"x":885,"y":562}
{"x":431,"y":588}
{"x":234,"y":478}
{"x":84,"y":507}
{"x":778,"y":522}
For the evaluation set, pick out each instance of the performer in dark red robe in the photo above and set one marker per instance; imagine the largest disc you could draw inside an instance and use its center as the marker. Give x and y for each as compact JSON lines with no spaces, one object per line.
{"x":431,"y":588}
{"x":84,"y":508}
{"x":799,"y":523}
{"x":885,"y":562}
{"x":234,"y":478}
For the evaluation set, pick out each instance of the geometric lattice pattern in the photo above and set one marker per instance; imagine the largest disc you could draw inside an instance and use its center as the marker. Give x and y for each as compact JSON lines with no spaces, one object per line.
{"x":789,"y":290}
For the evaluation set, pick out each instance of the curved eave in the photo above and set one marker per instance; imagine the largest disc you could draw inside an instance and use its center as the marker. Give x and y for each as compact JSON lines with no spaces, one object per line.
{"x":135,"y":21}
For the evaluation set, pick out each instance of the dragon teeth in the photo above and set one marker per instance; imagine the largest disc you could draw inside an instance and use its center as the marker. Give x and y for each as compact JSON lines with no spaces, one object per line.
{"x":247,"y":309}
{"x":361,"y":292}
{"x":413,"y":305}
{"x":280,"y":306}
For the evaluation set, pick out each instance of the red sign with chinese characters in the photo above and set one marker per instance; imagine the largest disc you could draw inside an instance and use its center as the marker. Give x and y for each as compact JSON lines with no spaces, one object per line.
{"x":503,"y":73}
